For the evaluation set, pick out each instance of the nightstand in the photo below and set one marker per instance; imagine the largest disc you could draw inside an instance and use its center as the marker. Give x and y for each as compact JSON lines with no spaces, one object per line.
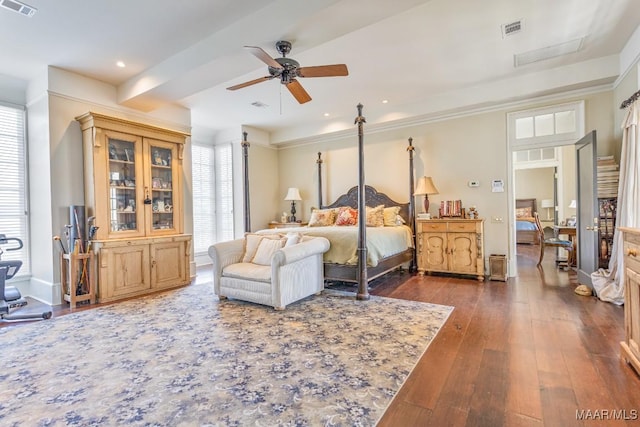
{"x":274,"y":224}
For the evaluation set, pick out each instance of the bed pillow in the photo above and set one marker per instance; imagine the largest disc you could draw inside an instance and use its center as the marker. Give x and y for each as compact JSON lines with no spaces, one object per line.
{"x":322,"y":217}
{"x":524,"y":212}
{"x":347,"y":216}
{"x":251,"y":243}
{"x":390,"y":214}
{"x":265,"y":251}
{"x":375,"y":216}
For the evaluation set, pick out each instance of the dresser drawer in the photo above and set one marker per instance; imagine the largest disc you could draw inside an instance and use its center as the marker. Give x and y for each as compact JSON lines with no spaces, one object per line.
{"x":631,"y":251}
{"x":427,"y":226}
{"x":462,"y":226}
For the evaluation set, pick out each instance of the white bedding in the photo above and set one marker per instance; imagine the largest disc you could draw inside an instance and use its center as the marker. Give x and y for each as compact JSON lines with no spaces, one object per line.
{"x":381,"y":241}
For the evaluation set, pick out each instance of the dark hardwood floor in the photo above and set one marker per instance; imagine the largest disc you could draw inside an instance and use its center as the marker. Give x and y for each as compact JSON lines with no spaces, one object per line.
{"x":528,"y":352}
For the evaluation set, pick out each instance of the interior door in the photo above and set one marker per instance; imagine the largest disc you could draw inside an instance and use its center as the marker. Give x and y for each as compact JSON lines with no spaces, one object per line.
{"x":587,"y":221}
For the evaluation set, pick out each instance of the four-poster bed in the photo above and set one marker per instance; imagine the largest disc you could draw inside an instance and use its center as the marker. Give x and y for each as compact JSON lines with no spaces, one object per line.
{"x":387,"y":253}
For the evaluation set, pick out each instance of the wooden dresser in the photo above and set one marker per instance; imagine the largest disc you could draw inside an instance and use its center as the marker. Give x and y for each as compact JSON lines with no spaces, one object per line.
{"x":451,"y":246}
{"x":631,"y":276}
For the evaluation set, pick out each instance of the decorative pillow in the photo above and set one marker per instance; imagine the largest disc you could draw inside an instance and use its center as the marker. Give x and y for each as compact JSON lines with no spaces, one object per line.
{"x":375,"y":216}
{"x":390,"y":215}
{"x":265,"y":251}
{"x":292,"y":239}
{"x":322,"y":217}
{"x":399,"y":220}
{"x":524,"y":212}
{"x":347,"y":216}
{"x":251,"y":243}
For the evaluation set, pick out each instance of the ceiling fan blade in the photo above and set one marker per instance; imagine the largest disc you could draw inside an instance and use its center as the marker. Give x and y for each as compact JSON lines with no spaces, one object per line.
{"x":263,"y":56}
{"x":334,"y":70}
{"x":298,"y":92}
{"x":249,"y":83}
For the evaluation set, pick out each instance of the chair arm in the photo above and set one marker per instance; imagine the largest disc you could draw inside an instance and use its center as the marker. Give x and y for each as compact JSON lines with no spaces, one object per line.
{"x":291,"y":254}
{"x":225,"y":253}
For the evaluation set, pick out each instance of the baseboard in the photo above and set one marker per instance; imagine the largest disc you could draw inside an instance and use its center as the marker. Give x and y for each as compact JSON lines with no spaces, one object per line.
{"x":46,"y":292}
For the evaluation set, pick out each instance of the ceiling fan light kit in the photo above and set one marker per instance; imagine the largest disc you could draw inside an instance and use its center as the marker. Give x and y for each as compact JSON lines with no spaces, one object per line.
{"x":288,"y":70}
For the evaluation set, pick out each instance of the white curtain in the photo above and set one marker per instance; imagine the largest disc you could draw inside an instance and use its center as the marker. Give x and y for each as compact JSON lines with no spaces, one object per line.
{"x":608,"y":284}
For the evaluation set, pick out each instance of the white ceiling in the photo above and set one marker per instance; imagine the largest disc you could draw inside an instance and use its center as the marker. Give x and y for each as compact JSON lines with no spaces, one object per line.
{"x":424,"y":57}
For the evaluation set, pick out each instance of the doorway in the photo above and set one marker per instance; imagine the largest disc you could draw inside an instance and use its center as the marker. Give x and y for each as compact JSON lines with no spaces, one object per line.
{"x":547,"y":179}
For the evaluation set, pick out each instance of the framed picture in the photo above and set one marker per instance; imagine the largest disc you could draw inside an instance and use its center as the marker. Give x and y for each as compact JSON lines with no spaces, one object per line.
{"x":128,"y":154}
{"x":156,"y":183}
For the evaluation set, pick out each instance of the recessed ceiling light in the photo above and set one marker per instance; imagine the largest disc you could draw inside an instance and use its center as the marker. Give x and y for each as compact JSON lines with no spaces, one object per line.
{"x":326,"y":114}
{"x":259,"y":104}
{"x":385,"y":101}
{"x":121,"y":64}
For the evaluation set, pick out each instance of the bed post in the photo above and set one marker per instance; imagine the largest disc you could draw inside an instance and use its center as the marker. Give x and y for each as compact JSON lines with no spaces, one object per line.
{"x":319,"y":162}
{"x":245,"y":168}
{"x":363,"y":291}
{"x":412,"y":207}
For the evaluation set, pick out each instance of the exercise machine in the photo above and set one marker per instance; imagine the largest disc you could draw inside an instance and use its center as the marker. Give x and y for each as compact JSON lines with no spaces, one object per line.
{"x":10,"y":296}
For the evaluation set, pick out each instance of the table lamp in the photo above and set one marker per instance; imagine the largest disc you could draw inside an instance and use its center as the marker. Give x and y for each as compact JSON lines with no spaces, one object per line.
{"x":547,"y":204}
{"x":293,"y":195}
{"x":425,"y":187}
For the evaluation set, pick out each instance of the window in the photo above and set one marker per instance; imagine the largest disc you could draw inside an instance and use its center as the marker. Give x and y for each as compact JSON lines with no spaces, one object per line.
{"x":13,"y":188}
{"x":212,"y":195}
{"x":546,"y":126}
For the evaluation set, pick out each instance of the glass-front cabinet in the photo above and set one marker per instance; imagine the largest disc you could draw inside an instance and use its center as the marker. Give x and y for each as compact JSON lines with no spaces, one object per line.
{"x":125,"y":182}
{"x":163,"y":177}
{"x":133,"y":190}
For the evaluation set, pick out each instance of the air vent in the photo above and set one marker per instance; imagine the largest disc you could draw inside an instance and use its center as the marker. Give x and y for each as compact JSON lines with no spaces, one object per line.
{"x":548,"y":52}
{"x":511,"y":28}
{"x":18,"y":7}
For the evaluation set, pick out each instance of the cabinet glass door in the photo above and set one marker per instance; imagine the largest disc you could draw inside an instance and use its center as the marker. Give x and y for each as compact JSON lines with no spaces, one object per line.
{"x":163,"y":180}
{"x":123,"y":185}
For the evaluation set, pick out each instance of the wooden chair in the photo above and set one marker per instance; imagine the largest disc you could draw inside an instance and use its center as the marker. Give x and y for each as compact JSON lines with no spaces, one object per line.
{"x":550,"y":241}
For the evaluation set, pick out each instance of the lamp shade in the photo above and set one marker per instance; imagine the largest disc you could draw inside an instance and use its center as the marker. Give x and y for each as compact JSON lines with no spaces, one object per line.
{"x":293,"y":194}
{"x":547,"y":203}
{"x":425,"y":186}
{"x":573,"y":204}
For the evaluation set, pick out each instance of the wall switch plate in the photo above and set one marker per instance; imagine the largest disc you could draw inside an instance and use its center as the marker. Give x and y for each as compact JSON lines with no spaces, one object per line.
{"x":474,"y":183}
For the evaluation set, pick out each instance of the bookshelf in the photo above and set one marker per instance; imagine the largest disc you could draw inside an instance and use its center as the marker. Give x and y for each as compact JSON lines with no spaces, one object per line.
{"x":607,"y":188}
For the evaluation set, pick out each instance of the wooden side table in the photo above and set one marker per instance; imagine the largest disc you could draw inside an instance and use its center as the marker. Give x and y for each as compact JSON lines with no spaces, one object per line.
{"x":274,"y":224}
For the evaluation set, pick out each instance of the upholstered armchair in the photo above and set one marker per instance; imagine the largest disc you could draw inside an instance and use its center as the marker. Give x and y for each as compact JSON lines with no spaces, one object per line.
{"x":283,"y":274}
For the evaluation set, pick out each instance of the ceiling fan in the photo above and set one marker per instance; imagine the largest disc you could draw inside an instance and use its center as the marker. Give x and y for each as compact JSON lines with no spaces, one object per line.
{"x":287,"y":70}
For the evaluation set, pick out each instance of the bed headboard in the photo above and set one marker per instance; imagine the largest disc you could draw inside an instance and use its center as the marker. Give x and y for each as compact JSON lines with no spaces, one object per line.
{"x":372,"y":199}
{"x":525,"y":208}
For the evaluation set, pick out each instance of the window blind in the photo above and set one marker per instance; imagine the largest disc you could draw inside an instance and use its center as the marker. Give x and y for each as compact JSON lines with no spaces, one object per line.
{"x":212,"y":195}
{"x":13,"y":188}
{"x":224,"y":192}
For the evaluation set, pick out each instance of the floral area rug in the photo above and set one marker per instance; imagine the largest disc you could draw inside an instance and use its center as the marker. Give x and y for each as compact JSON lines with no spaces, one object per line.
{"x":184,"y":358}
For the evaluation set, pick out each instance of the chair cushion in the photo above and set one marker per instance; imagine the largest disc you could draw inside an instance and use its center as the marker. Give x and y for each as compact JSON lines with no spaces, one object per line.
{"x":248,"y":271}
{"x":265,"y":251}
{"x":558,"y":242}
{"x":251,"y":243}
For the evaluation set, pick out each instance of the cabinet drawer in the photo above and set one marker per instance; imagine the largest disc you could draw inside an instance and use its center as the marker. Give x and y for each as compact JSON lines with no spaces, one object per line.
{"x":462,"y":226}
{"x":632,"y":251}
{"x":427,"y":226}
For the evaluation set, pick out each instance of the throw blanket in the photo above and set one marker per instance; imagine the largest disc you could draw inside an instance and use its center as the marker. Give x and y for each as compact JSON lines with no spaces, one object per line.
{"x":382,"y":242}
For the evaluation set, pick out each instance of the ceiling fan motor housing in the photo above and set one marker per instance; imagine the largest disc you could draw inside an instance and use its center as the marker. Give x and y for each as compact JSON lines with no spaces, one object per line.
{"x":288,"y":71}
